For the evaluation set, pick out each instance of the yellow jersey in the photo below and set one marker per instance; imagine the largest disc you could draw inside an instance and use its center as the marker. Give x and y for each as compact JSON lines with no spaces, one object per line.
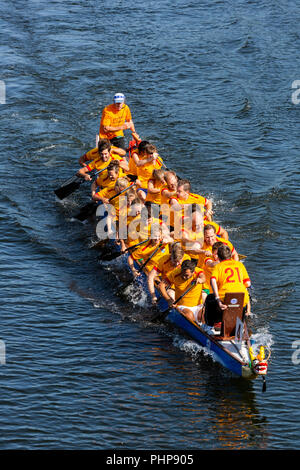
{"x":155,"y":197}
{"x":108,"y":193}
{"x":207,"y":247}
{"x":165,"y":267}
{"x":103,"y":180}
{"x":145,"y":251}
{"x":231,"y":276}
{"x":194,"y":296}
{"x":144,"y":173}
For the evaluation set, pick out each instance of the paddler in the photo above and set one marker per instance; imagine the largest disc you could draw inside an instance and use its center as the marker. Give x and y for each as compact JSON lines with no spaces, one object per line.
{"x":228,"y":276}
{"x":149,"y":161}
{"x":155,"y":184}
{"x":185,"y":197}
{"x":191,"y":304}
{"x":210,"y":238}
{"x":209,"y":263}
{"x":116,"y":118}
{"x":101,"y":157}
{"x":192,"y":233}
{"x":164,"y":266}
{"x":116,"y":205}
{"x":108,"y":177}
{"x":157,"y":242}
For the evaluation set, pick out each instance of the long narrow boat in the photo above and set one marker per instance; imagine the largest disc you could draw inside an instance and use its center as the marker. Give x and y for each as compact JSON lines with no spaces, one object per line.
{"x":231,"y":347}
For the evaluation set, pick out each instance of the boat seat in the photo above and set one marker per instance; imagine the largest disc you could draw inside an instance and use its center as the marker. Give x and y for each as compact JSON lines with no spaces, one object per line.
{"x":234,"y":310}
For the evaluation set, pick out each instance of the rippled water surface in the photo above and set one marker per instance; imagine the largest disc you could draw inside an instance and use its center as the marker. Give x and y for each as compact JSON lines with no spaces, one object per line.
{"x":210,"y":83}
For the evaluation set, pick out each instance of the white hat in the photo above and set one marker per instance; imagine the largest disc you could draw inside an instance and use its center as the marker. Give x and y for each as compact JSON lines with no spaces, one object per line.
{"x":119,"y":98}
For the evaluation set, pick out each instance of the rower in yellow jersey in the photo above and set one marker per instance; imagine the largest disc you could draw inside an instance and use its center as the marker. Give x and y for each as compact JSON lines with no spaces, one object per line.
{"x":185,"y":197}
{"x":114,"y":206}
{"x":155,"y":184}
{"x":151,"y":161}
{"x":191,"y":304}
{"x":209,"y":263}
{"x":210,"y":237}
{"x":155,"y":247}
{"x":228,"y":276}
{"x":101,"y":158}
{"x":164,"y":266}
{"x":108,"y":177}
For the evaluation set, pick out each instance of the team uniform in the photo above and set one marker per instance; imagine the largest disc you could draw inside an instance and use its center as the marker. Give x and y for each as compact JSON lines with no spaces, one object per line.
{"x":207,"y":247}
{"x":96,"y":163}
{"x":207,"y":271}
{"x":155,"y":198}
{"x":231,"y":276}
{"x":144,"y":173}
{"x":103,"y":180}
{"x":193,"y":299}
{"x":143,"y":252}
{"x":112,"y":117}
{"x":191,"y":199}
{"x":165,"y":267}
{"x":108,"y":193}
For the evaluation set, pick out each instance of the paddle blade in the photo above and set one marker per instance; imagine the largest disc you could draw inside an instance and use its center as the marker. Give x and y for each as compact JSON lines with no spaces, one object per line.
{"x":86,"y":211}
{"x":67,"y":189}
{"x":109,"y":256}
{"x":160,"y":316}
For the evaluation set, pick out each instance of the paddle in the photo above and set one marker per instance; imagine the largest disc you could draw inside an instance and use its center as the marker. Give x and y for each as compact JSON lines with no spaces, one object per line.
{"x":90,"y":208}
{"x":161,"y":315}
{"x":72,"y":184}
{"x":109,"y":256}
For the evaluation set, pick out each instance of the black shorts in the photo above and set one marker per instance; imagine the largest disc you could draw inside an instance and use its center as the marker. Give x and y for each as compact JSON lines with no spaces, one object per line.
{"x":118,"y":142}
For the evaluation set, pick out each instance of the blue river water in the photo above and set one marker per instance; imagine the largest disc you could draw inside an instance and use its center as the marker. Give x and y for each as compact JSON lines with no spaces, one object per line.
{"x":212,"y":84}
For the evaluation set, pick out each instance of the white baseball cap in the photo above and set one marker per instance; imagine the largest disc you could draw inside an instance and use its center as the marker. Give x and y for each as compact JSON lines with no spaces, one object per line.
{"x":119,"y":98}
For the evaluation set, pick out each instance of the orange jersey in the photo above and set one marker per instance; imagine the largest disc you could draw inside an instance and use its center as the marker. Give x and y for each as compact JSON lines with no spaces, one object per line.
{"x":113,"y":118}
{"x":194,"y":296}
{"x":231,"y":276}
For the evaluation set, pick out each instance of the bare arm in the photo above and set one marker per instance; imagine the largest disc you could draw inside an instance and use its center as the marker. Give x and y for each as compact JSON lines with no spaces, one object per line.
{"x":214,"y":287}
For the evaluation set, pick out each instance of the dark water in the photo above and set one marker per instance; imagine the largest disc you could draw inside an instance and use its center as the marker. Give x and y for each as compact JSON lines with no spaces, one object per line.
{"x":210,"y":83}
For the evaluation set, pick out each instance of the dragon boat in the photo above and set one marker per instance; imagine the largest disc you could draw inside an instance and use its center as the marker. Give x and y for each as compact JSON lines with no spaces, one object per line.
{"x":231,"y":345}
